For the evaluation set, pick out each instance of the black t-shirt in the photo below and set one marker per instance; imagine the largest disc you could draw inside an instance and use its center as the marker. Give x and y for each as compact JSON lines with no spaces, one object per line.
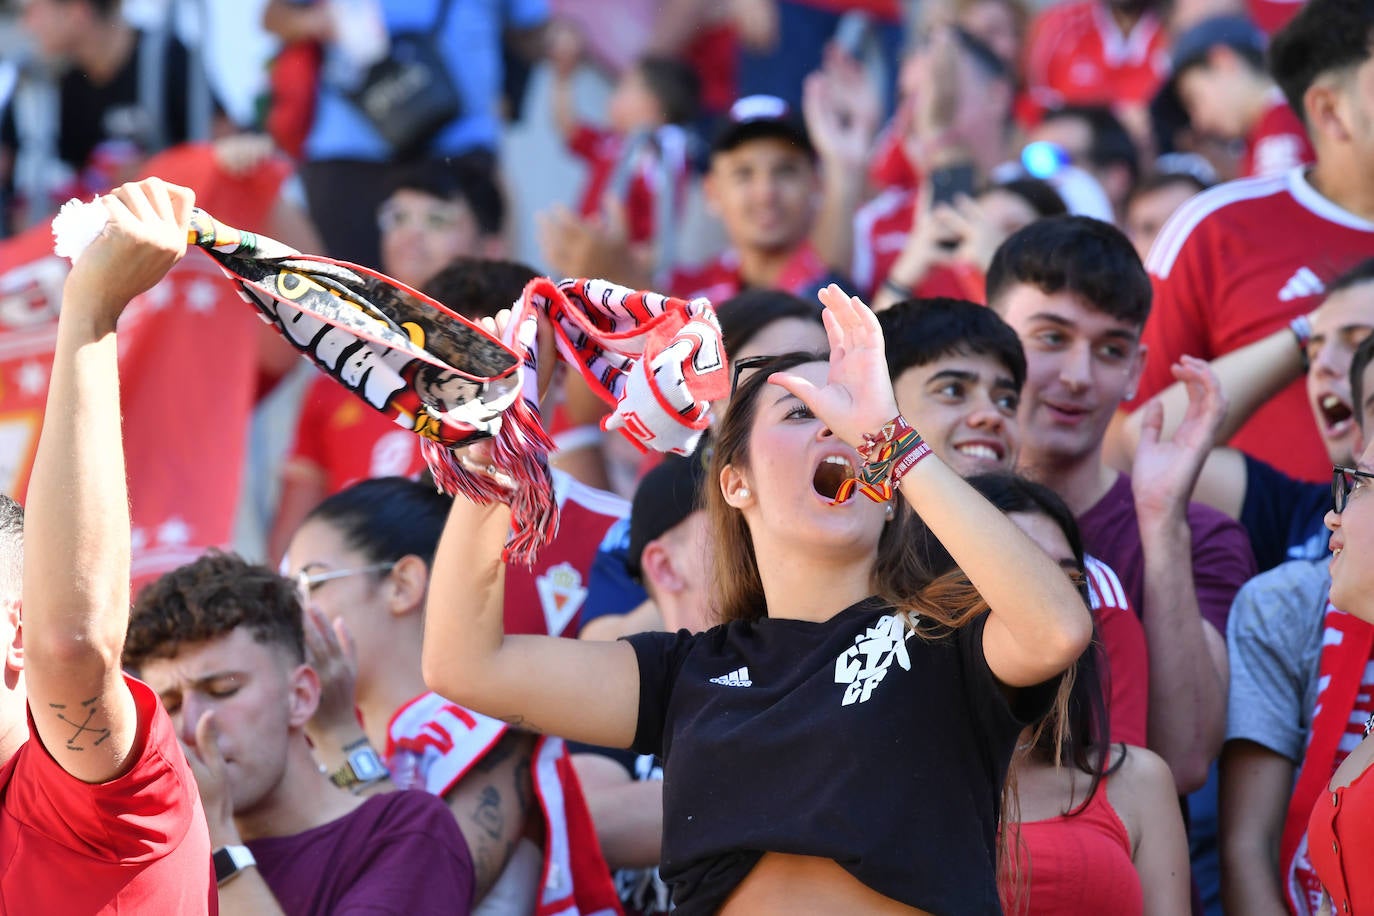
{"x":851,"y":739}
{"x":1284,"y":517}
{"x":92,"y":114}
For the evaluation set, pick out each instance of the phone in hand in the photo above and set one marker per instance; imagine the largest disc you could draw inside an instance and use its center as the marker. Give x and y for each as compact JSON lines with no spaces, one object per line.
{"x":946,"y":184}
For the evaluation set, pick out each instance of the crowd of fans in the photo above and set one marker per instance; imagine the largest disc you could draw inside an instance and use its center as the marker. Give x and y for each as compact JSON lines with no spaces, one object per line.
{"x":1120,"y":261}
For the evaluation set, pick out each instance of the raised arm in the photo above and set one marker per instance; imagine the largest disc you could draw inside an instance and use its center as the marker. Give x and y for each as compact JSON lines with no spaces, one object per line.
{"x":77,"y":540}
{"x":1247,"y":378}
{"x":1039,"y":624}
{"x":584,"y":691}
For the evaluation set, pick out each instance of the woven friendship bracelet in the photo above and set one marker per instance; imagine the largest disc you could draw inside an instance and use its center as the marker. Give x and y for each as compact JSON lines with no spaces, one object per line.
{"x":888,"y":456}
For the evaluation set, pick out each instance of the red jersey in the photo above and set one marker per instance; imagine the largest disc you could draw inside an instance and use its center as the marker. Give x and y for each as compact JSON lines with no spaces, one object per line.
{"x":889,"y":166}
{"x":803,"y":275}
{"x":188,"y":367}
{"x":547,"y":599}
{"x":1233,"y":265}
{"x":1126,"y":678}
{"x":1078,"y":56}
{"x":343,"y":440}
{"x":655,"y":174}
{"x":1277,"y":143}
{"x":135,"y":844}
{"x":1272,"y":15}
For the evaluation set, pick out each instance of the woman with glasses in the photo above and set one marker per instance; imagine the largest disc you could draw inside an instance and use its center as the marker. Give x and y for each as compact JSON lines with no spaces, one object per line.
{"x":1096,"y":827}
{"x":840,"y":743}
{"x":1340,"y":832}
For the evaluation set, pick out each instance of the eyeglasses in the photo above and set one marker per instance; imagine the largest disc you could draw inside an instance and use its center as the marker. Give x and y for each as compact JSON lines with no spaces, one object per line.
{"x":438,"y":218}
{"x":751,"y":364}
{"x":307,"y":582}
{"x":1345,"y":482}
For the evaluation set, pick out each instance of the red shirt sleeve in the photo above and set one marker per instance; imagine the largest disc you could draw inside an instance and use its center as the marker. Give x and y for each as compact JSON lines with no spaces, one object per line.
{"x":308,"y":447}
{"x":1178,"y":324}
{"x":1127,"y":678}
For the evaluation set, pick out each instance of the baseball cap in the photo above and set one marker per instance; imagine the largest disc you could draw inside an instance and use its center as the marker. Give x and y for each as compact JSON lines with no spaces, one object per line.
{"x":665,"y":497}
{"x":758,"y":116}
{"x":1192,"y":47}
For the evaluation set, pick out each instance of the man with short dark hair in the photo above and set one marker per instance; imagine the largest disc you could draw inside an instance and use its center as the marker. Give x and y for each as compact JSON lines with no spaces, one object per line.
{"x":98,"y":808}
{"x":764,"y":184}
{"x":957,"y":371}
{"x":1245,"y":258}
{"x":222,"y":643}
{"x":1077,"y":295}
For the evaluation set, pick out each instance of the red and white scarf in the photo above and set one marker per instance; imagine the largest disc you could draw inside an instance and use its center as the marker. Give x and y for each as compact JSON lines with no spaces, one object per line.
{"x":1347,"y":647}
{"x":659,"y":361}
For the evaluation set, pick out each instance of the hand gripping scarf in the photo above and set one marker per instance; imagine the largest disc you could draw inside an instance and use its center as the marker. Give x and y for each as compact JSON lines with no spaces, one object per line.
{"x":659,"y":360}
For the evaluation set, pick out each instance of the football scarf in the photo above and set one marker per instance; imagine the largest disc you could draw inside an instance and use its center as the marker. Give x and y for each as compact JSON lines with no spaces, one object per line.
{"x":1347,"y":646}
{"x":658,"y":361}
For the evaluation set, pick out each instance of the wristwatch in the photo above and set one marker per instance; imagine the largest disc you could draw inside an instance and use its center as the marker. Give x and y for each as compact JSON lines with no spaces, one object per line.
{"x":361,"y":768}
{"x":229,"y":861}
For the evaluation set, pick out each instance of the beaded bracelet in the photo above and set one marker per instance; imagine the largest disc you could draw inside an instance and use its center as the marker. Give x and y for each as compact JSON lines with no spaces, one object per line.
{"x":887,"y":457}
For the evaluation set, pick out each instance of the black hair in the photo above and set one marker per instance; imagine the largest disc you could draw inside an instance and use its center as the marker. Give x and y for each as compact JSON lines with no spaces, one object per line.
{"x":1077,"y":254}
{"x":1325,"y":36}
{"x":1111,"y":144}
{"x":1160,"y":180}
{"x":674,"y":84}
{"x":1083,"y":738}
{"x":1363,"y":272}
{"x":387,"y":518}
{"x":917,"y":332}
{"x":479,"y":287}
{"x":449,"y":180}
{"x":1364,"y":354}
{"x":1040,"y":195}
{"x":743,"y":316}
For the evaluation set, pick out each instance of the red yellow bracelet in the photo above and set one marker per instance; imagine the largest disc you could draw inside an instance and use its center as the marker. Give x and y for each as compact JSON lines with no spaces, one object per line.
{"x":887,"y":457}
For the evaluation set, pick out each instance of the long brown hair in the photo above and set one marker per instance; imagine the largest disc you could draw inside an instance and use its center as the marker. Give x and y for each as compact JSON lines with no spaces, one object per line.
{"x":904,"y":574}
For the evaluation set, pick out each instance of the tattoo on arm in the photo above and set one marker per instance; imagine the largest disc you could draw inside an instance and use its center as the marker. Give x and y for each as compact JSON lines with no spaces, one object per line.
{"x":85,"y":713}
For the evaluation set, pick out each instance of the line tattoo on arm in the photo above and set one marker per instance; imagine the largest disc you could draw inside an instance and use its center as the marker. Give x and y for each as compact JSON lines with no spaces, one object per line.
{"x":85,"y":713}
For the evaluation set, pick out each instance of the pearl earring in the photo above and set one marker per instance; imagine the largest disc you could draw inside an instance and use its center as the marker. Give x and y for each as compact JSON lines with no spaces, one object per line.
{"x":889,"y":512}
{"x":743,"y":493}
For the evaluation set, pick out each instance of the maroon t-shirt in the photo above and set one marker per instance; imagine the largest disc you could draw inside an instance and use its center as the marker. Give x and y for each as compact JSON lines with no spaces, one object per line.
{"x":399,"y":852}
{"x":1222,"y":559}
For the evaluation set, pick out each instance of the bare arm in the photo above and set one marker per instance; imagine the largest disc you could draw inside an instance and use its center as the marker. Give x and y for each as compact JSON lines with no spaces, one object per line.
{"x":1038,"y":623}
{"x":492,"y":803}
{"x":1247,"y":377}
{"x":1256,"y":784}
{"x":77,"y":541}
{"x":628,"y":815}
{"x":1188,"y":664}
{"x":642,"y":619}
{"x":584,"y":691}
{"x":1160,"y":844}
{"x":841,"y":109}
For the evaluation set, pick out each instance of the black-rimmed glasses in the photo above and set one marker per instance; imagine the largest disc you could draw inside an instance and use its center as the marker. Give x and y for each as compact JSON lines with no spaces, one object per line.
{"x":1344,"y":482}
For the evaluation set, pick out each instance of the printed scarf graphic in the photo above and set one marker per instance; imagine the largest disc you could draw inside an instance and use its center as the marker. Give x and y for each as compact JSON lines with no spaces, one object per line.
{"x":862,"y":667}
{"x":658,"y":361}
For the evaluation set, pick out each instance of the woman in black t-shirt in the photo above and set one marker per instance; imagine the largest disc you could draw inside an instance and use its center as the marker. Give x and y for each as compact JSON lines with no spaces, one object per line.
{"x":840,"y":742}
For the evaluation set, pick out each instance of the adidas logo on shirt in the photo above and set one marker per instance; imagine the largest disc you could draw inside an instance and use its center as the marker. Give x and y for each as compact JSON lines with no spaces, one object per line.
{"x":737,"y":678}
{"x":1302,"y":284}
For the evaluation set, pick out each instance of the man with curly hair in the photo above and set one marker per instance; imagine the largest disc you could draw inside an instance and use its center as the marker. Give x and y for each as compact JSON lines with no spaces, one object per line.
{"x":222,"y":642}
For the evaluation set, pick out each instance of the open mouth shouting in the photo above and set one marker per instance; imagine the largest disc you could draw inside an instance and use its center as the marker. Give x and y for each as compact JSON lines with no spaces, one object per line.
{"x":1337,"y":418}
{"x":832,"y":472}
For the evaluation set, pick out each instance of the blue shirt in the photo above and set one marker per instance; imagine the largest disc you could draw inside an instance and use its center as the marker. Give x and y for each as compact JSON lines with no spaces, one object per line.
{"x":470,"y":41}
{"x":1283,"y":516}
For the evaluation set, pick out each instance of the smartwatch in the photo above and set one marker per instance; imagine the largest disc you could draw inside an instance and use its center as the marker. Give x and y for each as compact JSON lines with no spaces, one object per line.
{"x":361,"y":767}
{"x":229,"y":861}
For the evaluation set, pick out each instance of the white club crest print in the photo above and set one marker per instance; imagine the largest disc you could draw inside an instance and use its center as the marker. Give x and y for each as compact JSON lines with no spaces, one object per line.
{"x":561,"y":594}
{"x":862,"y":667}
